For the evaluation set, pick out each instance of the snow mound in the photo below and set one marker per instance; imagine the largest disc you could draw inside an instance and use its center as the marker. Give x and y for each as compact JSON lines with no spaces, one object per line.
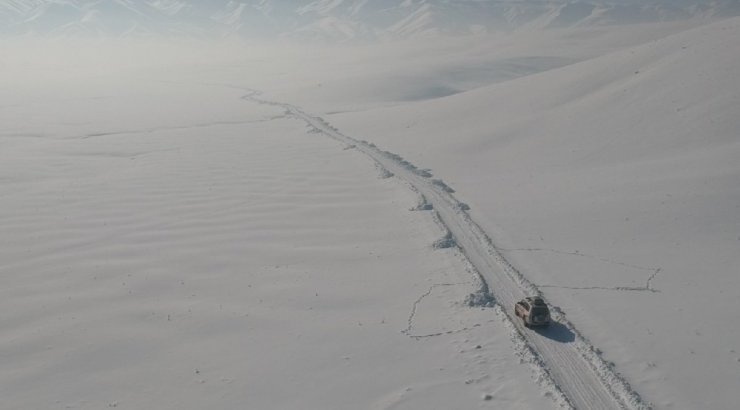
{"x":446,"y":242}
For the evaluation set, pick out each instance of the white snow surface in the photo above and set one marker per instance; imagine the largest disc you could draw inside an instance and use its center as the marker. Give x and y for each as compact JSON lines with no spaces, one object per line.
{"x":172,"y":239}
{"x":217,"y":256}
{"x":614,"y":185}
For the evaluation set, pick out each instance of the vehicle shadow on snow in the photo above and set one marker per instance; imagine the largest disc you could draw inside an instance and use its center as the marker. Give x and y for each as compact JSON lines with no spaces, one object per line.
{"x":557,"y":332}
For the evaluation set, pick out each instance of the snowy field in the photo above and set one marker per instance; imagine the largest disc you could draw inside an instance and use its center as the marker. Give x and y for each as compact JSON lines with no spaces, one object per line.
{"x":187,"y":227}
{"x":216,"y":255}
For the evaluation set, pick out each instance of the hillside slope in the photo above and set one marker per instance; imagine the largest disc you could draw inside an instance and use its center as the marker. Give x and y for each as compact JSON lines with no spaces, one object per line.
{"x":614,"y":183}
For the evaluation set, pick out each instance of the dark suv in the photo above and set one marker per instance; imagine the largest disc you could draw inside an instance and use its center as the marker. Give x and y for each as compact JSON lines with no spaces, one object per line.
{"x":533,"y":311}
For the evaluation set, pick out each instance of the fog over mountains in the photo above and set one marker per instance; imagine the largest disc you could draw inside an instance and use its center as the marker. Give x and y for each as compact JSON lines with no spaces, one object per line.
{"x":333,"y":19}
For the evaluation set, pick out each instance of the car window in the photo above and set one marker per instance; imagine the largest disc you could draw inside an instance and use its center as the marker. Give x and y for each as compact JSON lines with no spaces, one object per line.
{"x":537,"y":311}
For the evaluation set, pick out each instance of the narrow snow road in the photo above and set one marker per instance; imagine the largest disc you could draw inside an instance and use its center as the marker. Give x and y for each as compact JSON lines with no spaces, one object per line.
{"x":573,"y":364}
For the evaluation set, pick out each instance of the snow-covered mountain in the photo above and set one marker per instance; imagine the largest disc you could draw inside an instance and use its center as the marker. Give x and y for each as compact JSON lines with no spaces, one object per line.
{"x":333,"y":19}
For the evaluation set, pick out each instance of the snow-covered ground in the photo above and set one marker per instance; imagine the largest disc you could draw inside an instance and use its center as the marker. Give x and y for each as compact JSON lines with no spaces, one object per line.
{"x":614,"y":184}
{"x":215,"y":255}
{"x":170,"y":240}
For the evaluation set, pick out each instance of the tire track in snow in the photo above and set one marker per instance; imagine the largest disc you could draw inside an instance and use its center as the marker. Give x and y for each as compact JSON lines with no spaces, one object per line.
{"x":564,"y":356}
{"x":648,"y":283}
{"x":415,"y":308}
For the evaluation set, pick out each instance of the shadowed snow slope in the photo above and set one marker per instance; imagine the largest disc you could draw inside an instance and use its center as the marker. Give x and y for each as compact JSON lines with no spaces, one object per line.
{"x":615,"y":184}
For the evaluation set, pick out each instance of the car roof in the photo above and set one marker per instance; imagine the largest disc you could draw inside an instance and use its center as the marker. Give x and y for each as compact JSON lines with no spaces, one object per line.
{"x":535,"y":300}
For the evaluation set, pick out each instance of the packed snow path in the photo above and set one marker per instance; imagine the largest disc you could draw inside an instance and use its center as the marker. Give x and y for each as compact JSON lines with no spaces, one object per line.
{"x":574,"y":366}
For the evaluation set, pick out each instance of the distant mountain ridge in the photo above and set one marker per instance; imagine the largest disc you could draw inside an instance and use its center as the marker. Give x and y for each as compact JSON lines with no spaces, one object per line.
{"x":333,"y":19}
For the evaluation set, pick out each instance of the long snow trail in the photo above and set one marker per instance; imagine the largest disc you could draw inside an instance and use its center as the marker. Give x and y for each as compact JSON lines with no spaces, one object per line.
{"x":573,"y":364}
